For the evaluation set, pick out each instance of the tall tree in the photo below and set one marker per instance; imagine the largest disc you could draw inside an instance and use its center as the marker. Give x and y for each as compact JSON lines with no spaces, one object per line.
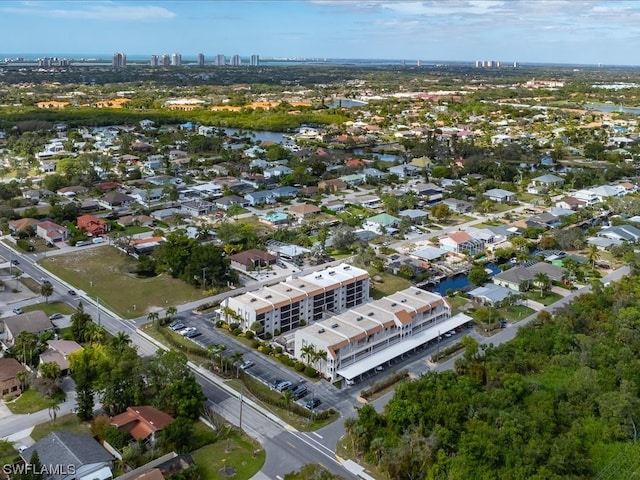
{"x":46,"y":290}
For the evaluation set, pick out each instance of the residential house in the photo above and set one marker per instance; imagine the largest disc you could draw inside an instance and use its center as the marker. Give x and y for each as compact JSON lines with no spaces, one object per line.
{"x":492,"y":294}
{"x":117,"y":199}
{"x":252,"y":260}
{"x":428,"y":191}
{"x":571,"y":203}
{"x":52,"y":232}
{"x":554,"y":272}
{"x":58,"y":352}
{"x":369,"y":201}
{"x":461,"y":242}
{"x":147,"y":195}
{"x":623,"y":233}
{"x":604,"y":192}
{"x":334,"y":185}
{"x":335,"y":205}
{"x":143,"y":423}
{"x":224,"y":203}
{"x":35,"y":322}
{"x":136,"y":220}
{"x":549,"y":181}
{"x":304,"y":210}
{"x":429,"y":254}
{"x":79,"y":455}
{"x":587,"y":196}
{"x":373,"y":174}
{"x":22,"y":223}
{"x":499,"y":195}
{"x":382,"y":222}
{"x":458,"y":206}
{"x":415,"y":216}
{"x":72,"y":191}
{"x":277,"y":171}
{"x":308,"y":191}
{"x":354,"y":179}
{"x":196,"y":208}
{"x":544,"y":219}
{"x":405,"y":170}
{"x":285,"y":192}
{"x":260,"y":197}
{"x":146,"y":246}
{"x":10,"y":384}
{"x":94,"y":226}
{"x":517,"y":278}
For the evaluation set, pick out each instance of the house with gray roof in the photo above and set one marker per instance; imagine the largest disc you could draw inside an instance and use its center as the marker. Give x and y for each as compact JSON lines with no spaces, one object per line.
{"x":404,"y":170}
{"x":285,"y":192}
{"x":492,"y":294}
{"x":79,"y":454}
{"x":624,"y":233}
{"x":373,"y":173}
{"x":499,"y":195}
{"x":35,"y":322}
{"x":458,"y":206}
{"x":548,"y":180}
{"x":430,"y":254}
{"x":382,"y":221}
{"x":260,"y":197}
{"x":416,"y":216}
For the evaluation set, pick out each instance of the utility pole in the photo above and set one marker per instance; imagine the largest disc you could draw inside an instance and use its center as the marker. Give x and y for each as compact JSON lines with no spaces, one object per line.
{"x":241,"y":393}
{"x":98,"y":309}
{"x":204,"y":284}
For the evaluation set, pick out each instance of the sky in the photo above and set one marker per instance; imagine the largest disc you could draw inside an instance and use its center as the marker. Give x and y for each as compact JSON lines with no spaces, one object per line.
{"x":541,"y":31}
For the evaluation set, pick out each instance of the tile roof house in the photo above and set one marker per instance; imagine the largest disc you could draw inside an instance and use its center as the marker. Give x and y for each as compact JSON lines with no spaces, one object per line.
{"x":252,"y":259}
{"x":36,"y":322}
{"x":10,"y":385}
{"x":461,"y":242}
{"x":93,"y":225}
{"x":52,"y":232}
{"x":304,"y":210}
{"x":332,"y":185}
{"x":142,"y":422}
{"x":58,"y":353}
{"x":22,"y":223}
{"x":571,"y":203}
{"x":83,"y":457}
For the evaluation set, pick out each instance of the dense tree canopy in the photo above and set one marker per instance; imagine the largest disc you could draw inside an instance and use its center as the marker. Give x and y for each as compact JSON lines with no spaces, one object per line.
{"x":559,"y":401}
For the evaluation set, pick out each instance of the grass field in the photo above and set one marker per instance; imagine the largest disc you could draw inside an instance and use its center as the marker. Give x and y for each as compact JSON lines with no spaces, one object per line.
{"x":457,"y":302}
{"x":388,"y":285}
{"x":239,"y":455}
{"x":69,"y":423}
{"x":29,"y":402}
{"x":104,"y":272}
{"x":547,"y":299}
{"x":8,"y":454}
{"x":51,"y":308}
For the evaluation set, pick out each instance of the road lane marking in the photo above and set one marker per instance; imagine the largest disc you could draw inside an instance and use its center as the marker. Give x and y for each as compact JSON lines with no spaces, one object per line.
{"x":317,"y":434}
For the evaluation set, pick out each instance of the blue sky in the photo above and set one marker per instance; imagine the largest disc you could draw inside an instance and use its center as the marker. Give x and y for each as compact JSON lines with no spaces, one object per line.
{"x":548,"y":31}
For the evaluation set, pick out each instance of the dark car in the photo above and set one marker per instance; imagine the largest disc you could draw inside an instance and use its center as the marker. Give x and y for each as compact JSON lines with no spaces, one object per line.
{"x":71,"y":292}
{"x":193,"y":334}
{"x":313,"y":403}
{"x":15,"y":262}
{"x":276,"y":382}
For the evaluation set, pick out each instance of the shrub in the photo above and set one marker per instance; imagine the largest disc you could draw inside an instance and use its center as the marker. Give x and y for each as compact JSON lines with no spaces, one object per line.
{"x":268,"y":336}
{"x":233,"y":326}
{"x":386,"y":382}
{"x":299,"y":366}
{"x":249,"y":334}
{"x":276,"y":332}
{"x":286,"y":360}
{"x":236,"y":331}
{"x":279,"y":349}
{"x":310,"y":372}
{"x":117,"y":438}
{"x":255,"y":343}
{"x":220,"y":324}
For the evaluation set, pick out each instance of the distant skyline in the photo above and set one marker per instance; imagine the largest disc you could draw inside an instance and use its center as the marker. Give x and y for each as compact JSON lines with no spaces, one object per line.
{"x":540,"y":31}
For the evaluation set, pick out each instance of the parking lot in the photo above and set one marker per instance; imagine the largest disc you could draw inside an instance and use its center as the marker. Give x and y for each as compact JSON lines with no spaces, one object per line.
{"x":270,"y":372}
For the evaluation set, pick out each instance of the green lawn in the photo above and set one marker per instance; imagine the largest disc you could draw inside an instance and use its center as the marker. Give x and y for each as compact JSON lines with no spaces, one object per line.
{"x":51,"y":308}
{"x":516,"y":313}
{"x":105,"y":272}
{"x":240,"y":455}
{"x":69,"y":423}
{"x":29,"y":402}
{"x":135,"y":229}
{"x":457,"y":302}
{"x":28,"y":282}
{"x":547,"y":299}
{"x":388,"y":285}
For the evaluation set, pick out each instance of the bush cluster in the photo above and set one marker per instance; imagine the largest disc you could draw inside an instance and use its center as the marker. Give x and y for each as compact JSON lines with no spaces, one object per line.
{"x":384,"y":383}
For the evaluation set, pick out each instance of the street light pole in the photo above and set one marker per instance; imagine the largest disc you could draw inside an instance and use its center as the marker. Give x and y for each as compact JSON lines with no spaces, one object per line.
{"x":241,"y":393}
{"x":98,"y":309}
{"x":204,"y":269}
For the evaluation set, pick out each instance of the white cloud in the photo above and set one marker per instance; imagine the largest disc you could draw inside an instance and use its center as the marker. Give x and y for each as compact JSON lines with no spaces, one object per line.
{"x":93,"y":11}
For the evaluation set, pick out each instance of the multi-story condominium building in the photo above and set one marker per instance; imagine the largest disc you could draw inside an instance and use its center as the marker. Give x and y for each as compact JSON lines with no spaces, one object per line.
{"x":166,"y":60}
{"x":236,"y":61}
{"x":176,"y":59}
{"x":255,"y":60}
{"x":201,"y":59}
{"x":367,"y":336}
{"x":154,"y":61}
{"x":119,"y":60}
{"x":280,"y":308}
{"x":220,"y":60}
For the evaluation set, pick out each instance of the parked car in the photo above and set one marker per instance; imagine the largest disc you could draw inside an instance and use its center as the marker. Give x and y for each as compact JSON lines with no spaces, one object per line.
{"x":313,"y":403}
{"x":17,"y":310}
{"x":299,"y":392}
{"x":175,"y":326}
{"x":193,"y":334}
{"x":186,"y":330}
{"x":276,"y":382}
{"x":379,"y":368}
{"x":247,"y":364}
{"x":55,"y":316}
{"x":15,"y":262}
{"x":284,"y":386}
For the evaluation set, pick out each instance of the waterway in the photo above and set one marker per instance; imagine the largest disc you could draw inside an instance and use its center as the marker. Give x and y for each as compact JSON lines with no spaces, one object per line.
{"x":613,"y":108}
{"x":458,"y":282}
{"x":258,"y":135}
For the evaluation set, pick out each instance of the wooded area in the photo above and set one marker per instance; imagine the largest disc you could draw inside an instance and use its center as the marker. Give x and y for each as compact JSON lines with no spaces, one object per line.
{"x":559,"y":401}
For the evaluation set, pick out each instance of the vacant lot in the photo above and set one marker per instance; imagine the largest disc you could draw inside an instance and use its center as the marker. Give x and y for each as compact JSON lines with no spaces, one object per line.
{"x":106,"y":272}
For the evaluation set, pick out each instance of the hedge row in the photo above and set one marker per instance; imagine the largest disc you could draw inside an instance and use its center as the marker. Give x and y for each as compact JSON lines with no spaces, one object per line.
{"x":446,"y":352}
{"x":384,"y":383}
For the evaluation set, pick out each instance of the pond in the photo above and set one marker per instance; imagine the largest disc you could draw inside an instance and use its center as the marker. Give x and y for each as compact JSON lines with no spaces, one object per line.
{"x":257,"y":135}
{"x":458,"y":282}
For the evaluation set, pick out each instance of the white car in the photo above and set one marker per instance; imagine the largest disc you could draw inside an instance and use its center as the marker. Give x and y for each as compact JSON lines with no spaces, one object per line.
{"x":184,"y":331}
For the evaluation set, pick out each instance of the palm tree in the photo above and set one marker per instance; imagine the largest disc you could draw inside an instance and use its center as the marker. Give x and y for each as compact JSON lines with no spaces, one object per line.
{"x":154,"y":317}
{"x":236,"y":360}
{"x":168,"y":316}
{"x":593,"y":254}
{"x":95,"y":333}
{"x":120,"y":341}
{"x":46,"y":290}
{"x":542,"y":280}
{"x":308,"y":352}
{"x":288,"y":396}
{"x":54,"y":408}
{"x":319,"y":355}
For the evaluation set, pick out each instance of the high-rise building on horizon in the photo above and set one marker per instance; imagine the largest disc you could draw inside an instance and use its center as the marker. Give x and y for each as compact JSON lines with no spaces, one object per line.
{"x":255,"y":60}
{"x":119,"y":60}
{"x":166,"y":60}
{"x":236,"y":61}
{"x":201,"y":59}
{"x":220,"y":60}
{"x":176,"y":59}
{"x":154,"y":61}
